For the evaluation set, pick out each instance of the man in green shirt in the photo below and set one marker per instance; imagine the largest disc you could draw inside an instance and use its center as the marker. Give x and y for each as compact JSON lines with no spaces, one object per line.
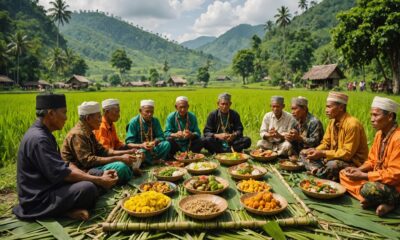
{"x":181,"y":128}
{"x":144,"y":132}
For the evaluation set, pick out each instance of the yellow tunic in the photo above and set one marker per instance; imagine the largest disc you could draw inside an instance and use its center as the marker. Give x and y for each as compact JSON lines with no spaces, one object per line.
{"x":389,"y":173}
{"x":348,"y":143}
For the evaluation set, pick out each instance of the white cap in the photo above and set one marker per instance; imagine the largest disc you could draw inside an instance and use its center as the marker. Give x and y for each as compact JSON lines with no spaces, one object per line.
{"x":109,"y":102}
{"x":87,"y":108}
{"x":181,"y":98}
{"x":385,"y":104}
{"x":147,"y":102}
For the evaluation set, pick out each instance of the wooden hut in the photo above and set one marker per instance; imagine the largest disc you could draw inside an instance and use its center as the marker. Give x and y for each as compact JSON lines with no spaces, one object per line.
{"x":223,"y":78}
{"x":78,"y":82}
{"x":161,"y":83}
{"x":325,"y":76}
{"x":177,"y":81}
{"x":6,"y":82}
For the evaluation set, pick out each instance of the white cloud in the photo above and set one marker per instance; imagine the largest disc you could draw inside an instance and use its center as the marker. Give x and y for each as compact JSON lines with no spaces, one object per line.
{"x":186,"y":5}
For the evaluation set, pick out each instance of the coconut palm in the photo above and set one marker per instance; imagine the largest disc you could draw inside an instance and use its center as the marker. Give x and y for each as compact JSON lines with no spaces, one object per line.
{"x":4,"y":57}
{"x":18,"y":45}
{"x":303,"y":5}
{"x":283,"y":19}
{"x":57,"y":60}
{"x":59,"y":14}
{"x":269,"y":25}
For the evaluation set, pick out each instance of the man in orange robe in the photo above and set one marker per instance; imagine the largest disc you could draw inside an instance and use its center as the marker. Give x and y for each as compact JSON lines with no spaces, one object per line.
{"x":376,"y":183}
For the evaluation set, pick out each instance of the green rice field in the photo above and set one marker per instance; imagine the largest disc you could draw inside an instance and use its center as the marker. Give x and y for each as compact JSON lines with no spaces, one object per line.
{"x":17,"y":111}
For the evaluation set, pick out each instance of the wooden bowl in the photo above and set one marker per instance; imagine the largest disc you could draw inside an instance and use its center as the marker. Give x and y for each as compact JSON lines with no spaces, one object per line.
{"x":199,"y":158}
{"x":204,"y":171}
{"x":144,"y":215}
{"x":246,"y":177}
{"x":296,"y":167}
{"x":220,"y":180}
{"x":340,"y":189}
{"x":219,"y":201}
{"x":278,"y":197}
{"x":242,"y":191}
{"x":169,"y":179}
{"x":263,"y":158}
{"x":170,"y":192}
{"x":221,"y":157}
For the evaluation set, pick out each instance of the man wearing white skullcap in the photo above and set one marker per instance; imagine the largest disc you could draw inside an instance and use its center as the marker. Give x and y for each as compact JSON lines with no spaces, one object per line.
{"x":224,"y":129}
{"x":275,"y":126}
{"x":376,"y":183}
{"x":144,"y":132}
{"x":182,"y":130}
{"x":344,"y":143}
{"x":308,"y":130}
{"x":81,"y":149}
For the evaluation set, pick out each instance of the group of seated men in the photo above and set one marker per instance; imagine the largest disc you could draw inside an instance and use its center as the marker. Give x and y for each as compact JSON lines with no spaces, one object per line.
{"x":93,"y":158}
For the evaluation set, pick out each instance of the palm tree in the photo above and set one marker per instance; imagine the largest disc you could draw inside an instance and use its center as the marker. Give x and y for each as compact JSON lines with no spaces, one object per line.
{"x":283,"y":19}
{"x":303,"y":5}
{"x":269,"y":25}
{"x":4,"y":57}
{"x":19,"y":43}
{"x":57,"y":60}
{"x":59,"y":14}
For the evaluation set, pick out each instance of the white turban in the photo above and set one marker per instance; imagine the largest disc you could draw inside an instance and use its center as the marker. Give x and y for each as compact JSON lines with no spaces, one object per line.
{"x":148,"y":102}
{"x":385,"y":104}
{"x":181,"y":98}
{"x":87,"y":108}
{"x":106,"y":104}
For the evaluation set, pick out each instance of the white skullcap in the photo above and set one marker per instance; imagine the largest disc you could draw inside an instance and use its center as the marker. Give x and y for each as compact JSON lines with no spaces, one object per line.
{"x":109,"y":102}
{"x":300,"y":101}
{"x":337,"y":97}
{"x":87,"y":108}
{"x":181,"y":98}
{"x":147,"y":102}
{"x":385,"y":104}
{"x":278,"y":99}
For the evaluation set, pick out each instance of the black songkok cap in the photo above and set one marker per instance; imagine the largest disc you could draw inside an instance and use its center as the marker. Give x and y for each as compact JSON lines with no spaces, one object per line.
{"x":50,"y":101}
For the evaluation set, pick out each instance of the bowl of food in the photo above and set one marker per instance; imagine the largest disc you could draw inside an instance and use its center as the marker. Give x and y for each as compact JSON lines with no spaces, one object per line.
{"x":171,"y":174}
{"x":206,"y":184}
{"x":164,"y":187}
{"x":175,"y":163}
{"x":290,"y":165}
{"x":263,"y":155}
{"x":251,"y":186}
{"x":189,"y":157}
{"x":203,"y":206}
{"x":146,"y":204}
{"x":321,"y":188}
{"x":232,"y":158}
{"x":247,"y":171}
{"x":201,"y":167}
{"x":263,"y":203}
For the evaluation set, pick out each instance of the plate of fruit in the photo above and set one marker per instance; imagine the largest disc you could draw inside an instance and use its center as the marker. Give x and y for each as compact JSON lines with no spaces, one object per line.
{"x":206,"y":184}
{"x":247,"y":171}
{"x":263,"y":203}
{"x":164,"y":187}
{"x":251,"y":186}
{"x":321,"y":188}
{"x":189,"y":157}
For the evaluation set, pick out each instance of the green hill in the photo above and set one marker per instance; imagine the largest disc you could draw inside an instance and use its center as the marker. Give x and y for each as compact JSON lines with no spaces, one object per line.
{"x":226,"y":45}
{"x":198,"y":42}
{"x":96,"y":35}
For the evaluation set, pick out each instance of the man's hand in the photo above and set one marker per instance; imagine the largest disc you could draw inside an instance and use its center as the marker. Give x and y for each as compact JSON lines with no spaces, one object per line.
{"x":188,"y":134}
{"x":178,"y":134}
{"x":293,"y":135}
{"x":314,"y":154}
{"x":108,"y":180}
{"x":355,"y":174}
{"x":127,"y":159}
{"x":220,"y":136}
{"x":231,"y":137}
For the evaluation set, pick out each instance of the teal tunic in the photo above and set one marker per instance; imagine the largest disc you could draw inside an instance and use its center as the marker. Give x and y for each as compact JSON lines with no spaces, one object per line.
{"x":136,"y":136}
{"x":175,"y":123}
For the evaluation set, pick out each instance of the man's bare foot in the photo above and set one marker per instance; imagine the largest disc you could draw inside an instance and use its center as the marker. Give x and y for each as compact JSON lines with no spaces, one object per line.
{"x":383,"y":209}
{"x":78,"y":214}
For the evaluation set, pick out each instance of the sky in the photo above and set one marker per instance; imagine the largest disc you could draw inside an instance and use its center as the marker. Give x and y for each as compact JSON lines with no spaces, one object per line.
{"x":183,"y":20}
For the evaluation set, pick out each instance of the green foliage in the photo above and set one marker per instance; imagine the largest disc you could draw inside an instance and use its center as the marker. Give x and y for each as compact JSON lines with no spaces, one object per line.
{"x":198,"y":42}
{"x":369,"y":31}
{"x":243,"y":64}
{"x":115,"y":80}
{"x":59,"y":13}
{"x":154,"y":76}
{"x":203,"y":75}
{"x":120,"y":60}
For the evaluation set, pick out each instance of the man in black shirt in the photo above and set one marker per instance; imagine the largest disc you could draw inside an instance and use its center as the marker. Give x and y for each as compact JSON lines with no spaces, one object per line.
{"x":224,"y":130}
{"x":47,"y":185}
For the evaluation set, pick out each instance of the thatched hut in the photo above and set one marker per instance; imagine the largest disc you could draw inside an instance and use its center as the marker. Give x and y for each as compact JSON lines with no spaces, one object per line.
{"x":177,"y":81}
{"x":78,"y":82}
{"x":6,"y":82}
{"x":161,"y":83}
{"x":325,"y":76}
{"x":223,"y":78}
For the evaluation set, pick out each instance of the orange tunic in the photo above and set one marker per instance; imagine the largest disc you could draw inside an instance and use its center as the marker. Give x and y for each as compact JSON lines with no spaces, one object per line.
{"x":107,"y":136}
{"x":348,"y":143}
{"x":390,"y":172}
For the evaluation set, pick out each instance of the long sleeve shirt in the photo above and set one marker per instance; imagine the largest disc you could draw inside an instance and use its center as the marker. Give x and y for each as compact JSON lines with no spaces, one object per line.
{"x":311,"y":131}
{"x":219,"y":123}
{"x":107,"y":136}
{"x":281,"y":125}
{"x":136,"y":134}
{"x":81,"y":147}
{"x":389,"y":171}
{"x":175,"y":122}
{"x":345,"y":140}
